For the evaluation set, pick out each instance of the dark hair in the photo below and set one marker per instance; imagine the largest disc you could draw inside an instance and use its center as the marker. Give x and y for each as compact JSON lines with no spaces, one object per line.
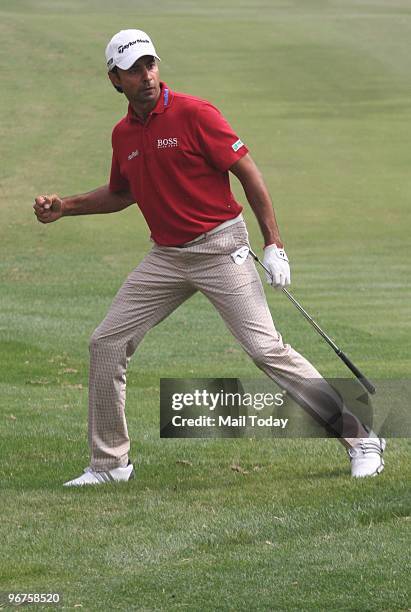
{"x":114,"y":71}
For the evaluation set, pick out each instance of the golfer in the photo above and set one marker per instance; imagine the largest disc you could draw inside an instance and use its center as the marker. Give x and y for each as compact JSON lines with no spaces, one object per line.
{"x":172,"y":155}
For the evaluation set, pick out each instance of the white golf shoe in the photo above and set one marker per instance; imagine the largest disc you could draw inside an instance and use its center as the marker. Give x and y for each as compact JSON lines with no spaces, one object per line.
{"x":366,"y":458}
{"x":90,"y":477}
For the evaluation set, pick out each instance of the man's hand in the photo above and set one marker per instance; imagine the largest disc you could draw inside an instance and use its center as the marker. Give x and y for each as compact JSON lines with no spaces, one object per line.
{"x":276,"y":261}
{"x":48,"y":208}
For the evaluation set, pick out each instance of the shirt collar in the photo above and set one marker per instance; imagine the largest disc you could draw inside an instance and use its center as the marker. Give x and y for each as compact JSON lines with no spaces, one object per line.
{"x":163,"y":103}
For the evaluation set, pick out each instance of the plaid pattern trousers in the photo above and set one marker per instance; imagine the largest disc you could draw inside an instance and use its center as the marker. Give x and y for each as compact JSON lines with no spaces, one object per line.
{"x":167,"y":277}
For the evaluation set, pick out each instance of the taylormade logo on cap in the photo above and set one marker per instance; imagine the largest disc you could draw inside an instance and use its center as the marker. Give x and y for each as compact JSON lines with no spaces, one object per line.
{"x":122,"y":48}
{"x":126,"y":47}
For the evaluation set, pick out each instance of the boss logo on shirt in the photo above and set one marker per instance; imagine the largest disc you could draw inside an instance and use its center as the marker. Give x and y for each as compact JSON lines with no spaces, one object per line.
{"x":167,"y":143}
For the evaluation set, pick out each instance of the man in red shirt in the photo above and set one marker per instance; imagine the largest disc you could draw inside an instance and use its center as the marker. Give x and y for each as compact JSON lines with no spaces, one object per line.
{"x":172,"y":154}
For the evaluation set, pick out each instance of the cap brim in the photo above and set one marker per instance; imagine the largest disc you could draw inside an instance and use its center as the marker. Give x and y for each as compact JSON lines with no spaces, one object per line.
{"x":132,"y":58}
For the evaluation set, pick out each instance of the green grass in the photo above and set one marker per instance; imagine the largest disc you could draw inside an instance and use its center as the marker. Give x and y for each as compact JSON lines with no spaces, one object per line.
{"x":320,"y":92}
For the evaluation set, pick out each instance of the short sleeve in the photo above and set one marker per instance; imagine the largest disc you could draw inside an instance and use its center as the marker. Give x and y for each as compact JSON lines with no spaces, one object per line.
{"x":219,"y":143}
{"x":117,"y":181}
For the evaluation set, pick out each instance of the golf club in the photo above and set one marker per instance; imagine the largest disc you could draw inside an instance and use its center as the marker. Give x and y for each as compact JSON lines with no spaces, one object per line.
{"x":240,"y":255}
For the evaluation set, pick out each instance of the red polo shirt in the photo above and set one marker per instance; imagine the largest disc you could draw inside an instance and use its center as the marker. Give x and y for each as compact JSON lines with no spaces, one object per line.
{"x":176,"y":166}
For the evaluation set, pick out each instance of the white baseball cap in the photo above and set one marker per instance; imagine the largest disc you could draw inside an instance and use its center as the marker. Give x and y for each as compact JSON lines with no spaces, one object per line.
{"x":126,"y":47}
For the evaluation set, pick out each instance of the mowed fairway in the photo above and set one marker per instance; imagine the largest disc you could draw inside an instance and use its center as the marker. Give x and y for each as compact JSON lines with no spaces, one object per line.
{"x":321,"y":93}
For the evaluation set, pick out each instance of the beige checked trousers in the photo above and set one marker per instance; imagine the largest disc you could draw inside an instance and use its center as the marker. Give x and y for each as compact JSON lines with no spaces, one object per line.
{"x":165,"y":278}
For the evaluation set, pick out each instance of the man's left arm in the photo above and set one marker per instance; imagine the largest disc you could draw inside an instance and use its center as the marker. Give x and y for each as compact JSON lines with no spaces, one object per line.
{"x":259,"y":199}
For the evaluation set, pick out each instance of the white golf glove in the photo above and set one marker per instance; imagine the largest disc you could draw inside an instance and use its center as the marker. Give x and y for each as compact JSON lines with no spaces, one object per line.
{"x":276,"y":260}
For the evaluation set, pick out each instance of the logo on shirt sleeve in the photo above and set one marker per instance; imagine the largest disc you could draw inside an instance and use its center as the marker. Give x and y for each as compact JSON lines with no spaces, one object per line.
{"x":237,"y":145}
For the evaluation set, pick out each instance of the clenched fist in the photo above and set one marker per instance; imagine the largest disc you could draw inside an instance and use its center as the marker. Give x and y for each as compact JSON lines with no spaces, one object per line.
{"x":48,"y":208}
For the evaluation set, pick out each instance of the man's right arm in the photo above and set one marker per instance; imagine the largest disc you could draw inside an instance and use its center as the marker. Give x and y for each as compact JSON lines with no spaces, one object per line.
{"x":49,"y":208}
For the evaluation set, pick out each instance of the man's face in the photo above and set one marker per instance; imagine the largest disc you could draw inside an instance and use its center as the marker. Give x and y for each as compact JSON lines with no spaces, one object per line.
{"x":141,"y":82}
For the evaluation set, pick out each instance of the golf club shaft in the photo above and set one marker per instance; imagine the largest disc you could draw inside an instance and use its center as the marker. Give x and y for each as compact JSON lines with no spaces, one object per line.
{"x":363,"y":380}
